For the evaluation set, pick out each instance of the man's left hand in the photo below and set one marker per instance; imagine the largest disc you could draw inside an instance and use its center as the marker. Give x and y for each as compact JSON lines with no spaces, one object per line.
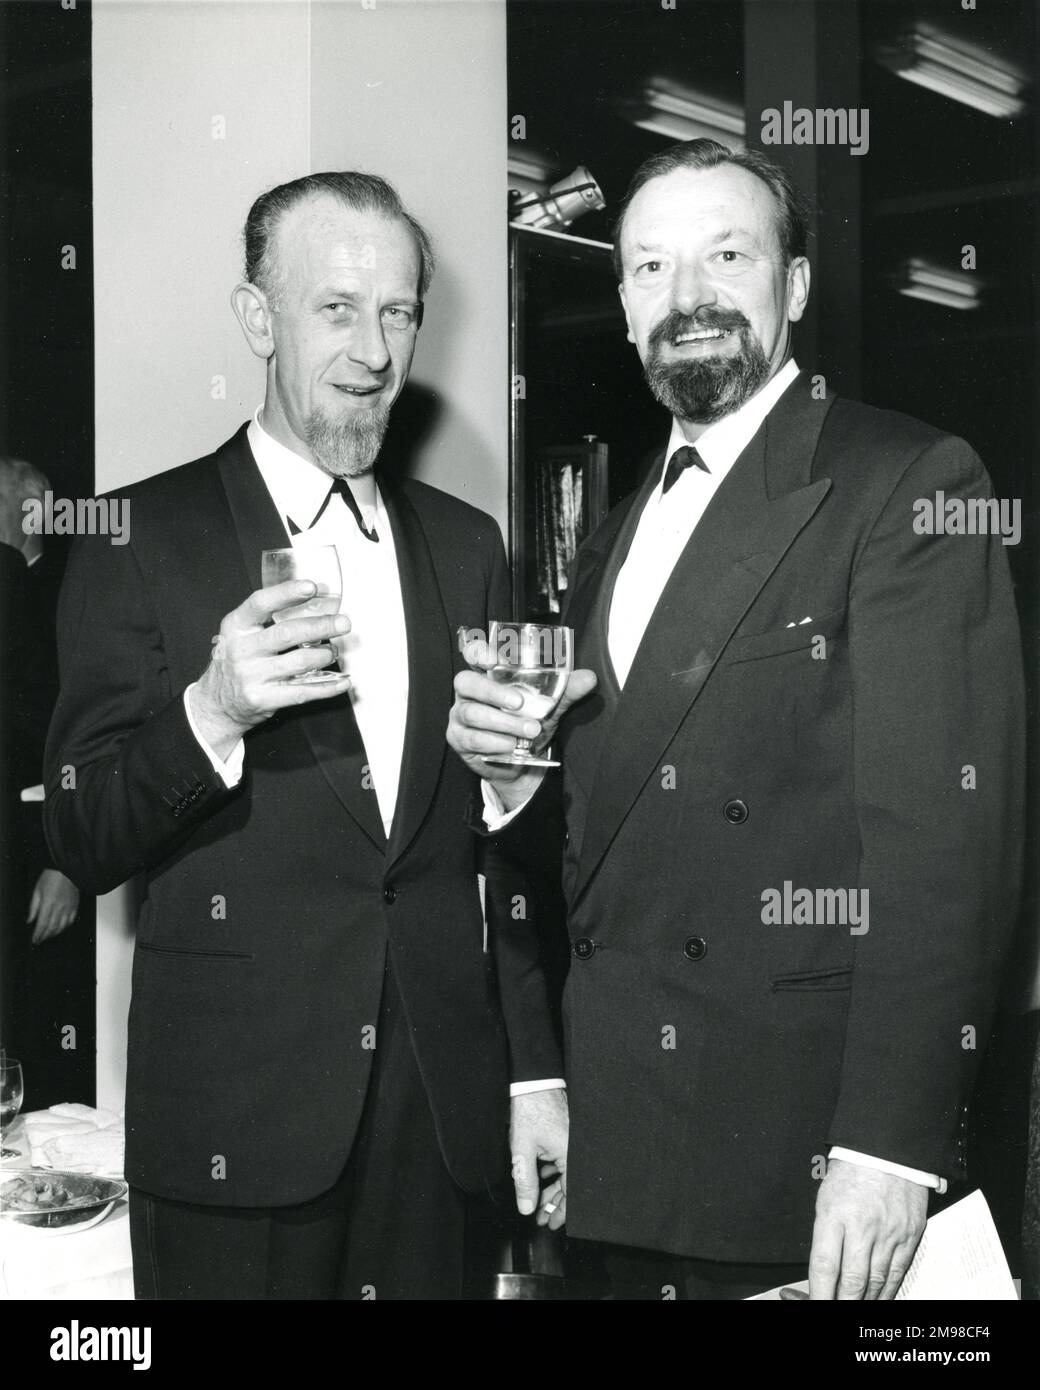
{"x":868,"y":1224}
{"x":53,"y":907}
{"x":538,"y":1129}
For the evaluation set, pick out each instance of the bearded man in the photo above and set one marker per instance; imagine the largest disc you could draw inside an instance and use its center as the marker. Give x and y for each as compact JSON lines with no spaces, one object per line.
{"x":790,"y":819}
{"x":318,"y":1068}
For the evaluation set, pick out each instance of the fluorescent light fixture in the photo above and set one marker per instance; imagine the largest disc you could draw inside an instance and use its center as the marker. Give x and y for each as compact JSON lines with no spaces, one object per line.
{"x":666,"y":108}
{"x":963,"y":72}
{"x":954,"y":289}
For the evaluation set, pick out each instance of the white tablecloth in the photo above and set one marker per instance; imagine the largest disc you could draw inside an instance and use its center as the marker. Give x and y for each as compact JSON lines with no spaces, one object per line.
{"x":36,"y":1264}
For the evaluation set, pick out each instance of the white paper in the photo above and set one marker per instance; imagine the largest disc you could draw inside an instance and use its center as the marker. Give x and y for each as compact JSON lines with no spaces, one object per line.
{"x":960,"y":1258}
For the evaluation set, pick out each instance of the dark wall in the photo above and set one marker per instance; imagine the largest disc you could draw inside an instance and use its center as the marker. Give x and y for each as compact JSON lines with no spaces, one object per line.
{"x":47,"y":417}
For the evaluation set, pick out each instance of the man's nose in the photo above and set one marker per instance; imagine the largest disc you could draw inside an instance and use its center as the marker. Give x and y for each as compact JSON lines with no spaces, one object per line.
{"x":691,"y":289}
{"x":367,"y":344}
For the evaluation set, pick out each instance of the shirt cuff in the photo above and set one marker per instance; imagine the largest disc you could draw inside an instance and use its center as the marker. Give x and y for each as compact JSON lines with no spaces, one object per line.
{"x":525,"y":1088}
{"x":496,"y":817}
{"x":896,"y":1169}
{"x":229,"y":772}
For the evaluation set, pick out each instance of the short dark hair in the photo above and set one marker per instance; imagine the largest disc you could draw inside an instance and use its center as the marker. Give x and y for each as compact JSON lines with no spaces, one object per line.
{"x":362,"y":192}
{"x":793,"y":216}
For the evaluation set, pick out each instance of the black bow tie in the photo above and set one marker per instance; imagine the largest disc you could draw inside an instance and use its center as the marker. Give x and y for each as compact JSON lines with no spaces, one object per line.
{"x":341,"y":486}
{"x":686,"y":457}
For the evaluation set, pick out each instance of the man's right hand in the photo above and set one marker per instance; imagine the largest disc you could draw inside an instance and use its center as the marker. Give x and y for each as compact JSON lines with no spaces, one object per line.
{"x":484,"y":720}
{"x":248,"y":677}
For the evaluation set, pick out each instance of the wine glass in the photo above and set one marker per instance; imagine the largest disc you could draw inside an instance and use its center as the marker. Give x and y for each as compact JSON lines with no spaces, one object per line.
{"x":319,"y":564}
{"x":12,"y":1091}
{"x":535,"y":659}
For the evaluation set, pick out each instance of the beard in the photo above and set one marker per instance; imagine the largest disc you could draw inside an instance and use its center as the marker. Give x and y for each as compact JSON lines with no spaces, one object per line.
{"x":347,"y":447}
{"x":705,"y":389}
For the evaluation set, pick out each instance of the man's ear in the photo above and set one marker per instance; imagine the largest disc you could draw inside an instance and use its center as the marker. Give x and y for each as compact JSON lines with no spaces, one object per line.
{"x":254,"y":316}
{"x":798,"y":278}
{"x":624,"y":304}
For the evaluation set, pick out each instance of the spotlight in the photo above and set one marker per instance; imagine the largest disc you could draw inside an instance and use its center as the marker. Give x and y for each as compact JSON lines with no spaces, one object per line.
{"x":561,"y":204}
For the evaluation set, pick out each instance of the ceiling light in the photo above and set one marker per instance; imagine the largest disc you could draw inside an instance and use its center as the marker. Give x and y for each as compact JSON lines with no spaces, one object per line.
{"x":682,"y":114}
{"x":954,"y":289}
{"x":960,"y":71}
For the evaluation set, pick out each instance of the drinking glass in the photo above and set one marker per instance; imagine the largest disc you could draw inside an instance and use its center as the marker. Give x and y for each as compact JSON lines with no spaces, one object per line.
{"x":319,"y":564}
{"x":12,"y":1091}
{"x":534,"y":659}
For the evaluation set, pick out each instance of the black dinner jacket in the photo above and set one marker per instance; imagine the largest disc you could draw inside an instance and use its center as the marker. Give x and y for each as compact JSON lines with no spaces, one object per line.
{"x":270,"y":910}
{"x":713,"y":1057}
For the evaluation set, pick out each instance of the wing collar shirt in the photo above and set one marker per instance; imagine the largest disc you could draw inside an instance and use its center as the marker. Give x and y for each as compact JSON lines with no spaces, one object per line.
{"x":375,"y":651}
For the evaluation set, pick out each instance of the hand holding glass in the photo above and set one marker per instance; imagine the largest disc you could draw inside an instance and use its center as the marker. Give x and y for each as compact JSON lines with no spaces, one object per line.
{"x":320,"y":565}
{"x":535,"y":659}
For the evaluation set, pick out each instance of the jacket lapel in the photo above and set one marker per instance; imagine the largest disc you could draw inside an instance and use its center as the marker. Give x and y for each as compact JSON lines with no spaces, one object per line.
{"x":758,"y":510}
{"x":257,"y":523}
{"x":328,"y":726}
{"x":430,"y":672}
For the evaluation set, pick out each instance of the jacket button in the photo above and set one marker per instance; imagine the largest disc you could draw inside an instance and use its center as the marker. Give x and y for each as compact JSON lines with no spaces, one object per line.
{"x":695,"y":948}
{"x":389,"y":893}
{"x":584,"y":947}
{"x":735,"y":811}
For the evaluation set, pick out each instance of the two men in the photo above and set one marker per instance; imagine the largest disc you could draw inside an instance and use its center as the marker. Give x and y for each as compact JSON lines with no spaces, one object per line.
{"x":318,"y":1069}
{"x":791,"y":802}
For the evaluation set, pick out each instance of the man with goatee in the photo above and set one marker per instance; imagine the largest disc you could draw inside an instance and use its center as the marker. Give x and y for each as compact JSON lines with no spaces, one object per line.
{"x":318,"y":1068}
{"x":786,"y":695}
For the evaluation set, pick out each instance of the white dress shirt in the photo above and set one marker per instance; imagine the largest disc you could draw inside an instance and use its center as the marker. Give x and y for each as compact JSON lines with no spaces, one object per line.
{"x":669,"y":520}
{"x":663,"y":531}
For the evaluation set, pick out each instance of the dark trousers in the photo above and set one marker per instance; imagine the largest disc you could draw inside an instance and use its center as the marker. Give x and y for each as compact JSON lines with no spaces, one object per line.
{"x":393,"y":1226}
{"x":652,"y":1275}
{"x":47,"y":990}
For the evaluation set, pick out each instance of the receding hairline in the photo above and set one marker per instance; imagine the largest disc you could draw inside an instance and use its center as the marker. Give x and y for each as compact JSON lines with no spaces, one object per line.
{"x":336,"y":204}
{"x":776,"y":219}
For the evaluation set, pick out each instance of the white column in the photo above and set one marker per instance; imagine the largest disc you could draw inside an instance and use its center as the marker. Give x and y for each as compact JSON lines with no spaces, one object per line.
{"x":415,"y":90}
{"x":198,"y":107}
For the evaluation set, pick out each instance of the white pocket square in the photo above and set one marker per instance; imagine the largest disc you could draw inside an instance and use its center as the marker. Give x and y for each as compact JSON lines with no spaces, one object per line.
{"x":801,"y":624}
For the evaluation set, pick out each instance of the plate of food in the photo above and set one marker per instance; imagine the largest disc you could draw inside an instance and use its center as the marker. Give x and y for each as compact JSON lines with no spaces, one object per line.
{"x":54,"y":1201}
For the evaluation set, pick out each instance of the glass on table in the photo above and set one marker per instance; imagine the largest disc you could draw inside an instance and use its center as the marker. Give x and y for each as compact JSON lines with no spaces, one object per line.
{"x":12,"y":1092}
